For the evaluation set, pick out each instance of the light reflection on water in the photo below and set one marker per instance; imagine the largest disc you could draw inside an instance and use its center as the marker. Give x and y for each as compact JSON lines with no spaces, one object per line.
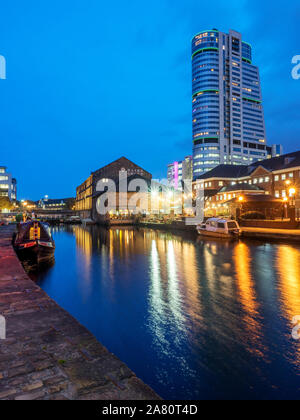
{"x":193,"y":319}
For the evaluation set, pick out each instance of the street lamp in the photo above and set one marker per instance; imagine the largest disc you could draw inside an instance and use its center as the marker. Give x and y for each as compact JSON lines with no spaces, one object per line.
{"x":292,"y":191}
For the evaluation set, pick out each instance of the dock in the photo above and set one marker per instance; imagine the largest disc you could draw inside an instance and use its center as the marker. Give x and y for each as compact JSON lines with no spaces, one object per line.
{"x":271,"y":234}
{"x":49,"y":355}
{"x":259,"y":233}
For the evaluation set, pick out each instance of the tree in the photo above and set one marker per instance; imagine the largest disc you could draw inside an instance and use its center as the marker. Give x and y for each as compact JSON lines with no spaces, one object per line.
{"x":5,"y":203}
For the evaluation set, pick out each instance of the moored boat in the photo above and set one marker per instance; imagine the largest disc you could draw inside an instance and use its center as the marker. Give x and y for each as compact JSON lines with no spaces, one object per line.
{"x":33,"y":241}
{"x":220,"y":228}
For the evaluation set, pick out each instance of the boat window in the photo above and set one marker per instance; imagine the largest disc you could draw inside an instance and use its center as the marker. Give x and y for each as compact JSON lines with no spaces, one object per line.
{"x":232,"y":225}
{"x":221,"y":225}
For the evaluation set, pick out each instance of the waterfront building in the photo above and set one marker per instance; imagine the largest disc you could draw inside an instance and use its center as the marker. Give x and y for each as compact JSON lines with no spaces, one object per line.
{"x":179,"y":171}
{"x":84,"y":198}
{"x":278,"y":177}
{"x":8,"y":185}
{"x":227,"y":111}
{"x":87,"y":194}
{"x":60,"y":204}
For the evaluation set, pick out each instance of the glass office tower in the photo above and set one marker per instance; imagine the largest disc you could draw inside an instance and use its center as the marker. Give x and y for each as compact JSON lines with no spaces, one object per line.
{"x":228,"y":117}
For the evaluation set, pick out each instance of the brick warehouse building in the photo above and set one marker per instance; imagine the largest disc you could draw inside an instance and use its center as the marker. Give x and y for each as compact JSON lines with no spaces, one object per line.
{"x":278,"y":178}
{"x":86,"y":193}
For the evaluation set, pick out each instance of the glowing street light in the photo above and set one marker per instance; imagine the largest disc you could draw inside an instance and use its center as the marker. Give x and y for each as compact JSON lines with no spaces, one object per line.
{"x":292,"y":192}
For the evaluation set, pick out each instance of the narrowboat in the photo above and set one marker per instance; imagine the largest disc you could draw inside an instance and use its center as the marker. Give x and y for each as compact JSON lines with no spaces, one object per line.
{"x":220,"y":228}
{"x":33,"y":241}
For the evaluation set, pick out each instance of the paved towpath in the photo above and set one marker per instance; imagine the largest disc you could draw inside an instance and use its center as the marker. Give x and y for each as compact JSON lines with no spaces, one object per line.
{"x":47,"y":354}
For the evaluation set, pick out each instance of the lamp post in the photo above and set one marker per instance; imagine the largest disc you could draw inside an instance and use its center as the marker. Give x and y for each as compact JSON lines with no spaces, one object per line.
{"x":240,"y":207}
{"x":285,"y":208}
{"x":292,"y":196}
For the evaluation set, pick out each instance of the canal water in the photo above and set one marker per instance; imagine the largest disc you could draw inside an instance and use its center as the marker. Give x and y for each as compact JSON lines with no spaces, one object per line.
{"x":194,"y":319}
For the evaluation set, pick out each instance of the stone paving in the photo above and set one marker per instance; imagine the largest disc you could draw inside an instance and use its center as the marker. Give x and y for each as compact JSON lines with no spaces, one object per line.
{"x":47,"y":354}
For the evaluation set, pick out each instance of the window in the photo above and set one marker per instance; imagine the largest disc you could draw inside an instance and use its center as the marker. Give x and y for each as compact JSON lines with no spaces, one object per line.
{"x":232,"y":225}
{"x":276,"y":178}
{"x":283,"y":177}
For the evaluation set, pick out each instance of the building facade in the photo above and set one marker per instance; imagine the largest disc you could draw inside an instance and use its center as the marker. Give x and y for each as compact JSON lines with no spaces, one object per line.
{"x":8,"y":185}
{"x":277,"y":177}
{"x":228,"y":116}
{"x":84,"y":198}
{"x":59,"y":204}
{"x":87,"y":194}
{"x":277,"y":150}
{"x":179,"y":171}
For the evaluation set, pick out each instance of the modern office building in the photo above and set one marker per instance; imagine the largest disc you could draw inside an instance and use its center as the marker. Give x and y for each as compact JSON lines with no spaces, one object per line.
{"x":8,"y":185}
{"x":228,"y":116}
{"x":179,"y":171}
{"x":277,"y":150}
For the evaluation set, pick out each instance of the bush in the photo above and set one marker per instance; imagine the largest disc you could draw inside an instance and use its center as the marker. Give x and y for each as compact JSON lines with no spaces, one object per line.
{"x":19,"y":218}
{"x":253,"y":215}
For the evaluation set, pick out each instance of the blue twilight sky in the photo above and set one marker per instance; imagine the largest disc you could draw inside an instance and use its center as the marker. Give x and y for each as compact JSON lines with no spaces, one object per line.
{"x":89,"y":81}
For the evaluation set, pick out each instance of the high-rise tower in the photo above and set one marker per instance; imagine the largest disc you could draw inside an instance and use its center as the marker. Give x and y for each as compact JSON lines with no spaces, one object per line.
{"x":228,"y":118}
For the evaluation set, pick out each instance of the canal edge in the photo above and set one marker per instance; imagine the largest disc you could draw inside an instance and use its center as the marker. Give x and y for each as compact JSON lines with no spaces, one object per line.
{"x":47,"y":353}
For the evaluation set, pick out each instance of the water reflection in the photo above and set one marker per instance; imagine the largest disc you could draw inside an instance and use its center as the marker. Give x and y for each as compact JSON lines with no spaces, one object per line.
{"x":247,"y":296}
{"x":193,"y":318}
{"x":288,"y":265}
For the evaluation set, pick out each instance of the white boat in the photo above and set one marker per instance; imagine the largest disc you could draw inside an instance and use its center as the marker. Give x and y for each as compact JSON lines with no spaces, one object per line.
{"x":220,"y":228}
